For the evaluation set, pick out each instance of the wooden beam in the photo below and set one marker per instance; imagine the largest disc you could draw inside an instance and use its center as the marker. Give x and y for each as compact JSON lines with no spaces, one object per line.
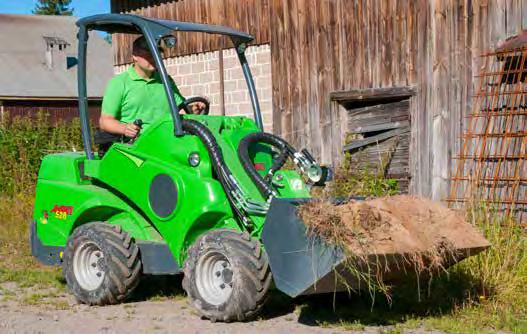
{"x":379,"y":127}
{"x":373,"y":93}
{"x":370,"y":140}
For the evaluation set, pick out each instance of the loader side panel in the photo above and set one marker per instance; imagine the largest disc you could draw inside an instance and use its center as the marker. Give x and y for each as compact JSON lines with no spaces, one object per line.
{"x":66,"y":198}
{"x":60,"y":207}
{"x":177,"y":199}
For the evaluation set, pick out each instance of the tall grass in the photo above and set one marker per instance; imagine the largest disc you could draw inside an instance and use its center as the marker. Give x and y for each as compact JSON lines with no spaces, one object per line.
{"x":23,"y":143}
{"x":500,"y":273}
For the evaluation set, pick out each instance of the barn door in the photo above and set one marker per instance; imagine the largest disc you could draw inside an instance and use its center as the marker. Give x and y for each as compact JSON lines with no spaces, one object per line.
{"x":378,"y":136}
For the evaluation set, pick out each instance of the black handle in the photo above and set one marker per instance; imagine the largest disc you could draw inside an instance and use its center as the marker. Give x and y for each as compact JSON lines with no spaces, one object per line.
{"x":139,"y":123}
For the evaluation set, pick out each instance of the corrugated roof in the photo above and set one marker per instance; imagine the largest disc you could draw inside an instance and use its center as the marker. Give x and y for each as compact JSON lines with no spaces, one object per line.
{"x":24,"y":71}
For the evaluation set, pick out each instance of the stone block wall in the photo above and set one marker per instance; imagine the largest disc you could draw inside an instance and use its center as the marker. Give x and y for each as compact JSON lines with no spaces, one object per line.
{"x":199,"y":74}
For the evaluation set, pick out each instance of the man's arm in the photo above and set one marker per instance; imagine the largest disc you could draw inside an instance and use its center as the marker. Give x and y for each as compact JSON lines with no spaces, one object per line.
{"x":112,"y":125}
{"x":111,"y":111}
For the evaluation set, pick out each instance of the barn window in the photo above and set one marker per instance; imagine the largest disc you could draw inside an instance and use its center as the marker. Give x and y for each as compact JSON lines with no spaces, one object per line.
{"x":378,"y":132}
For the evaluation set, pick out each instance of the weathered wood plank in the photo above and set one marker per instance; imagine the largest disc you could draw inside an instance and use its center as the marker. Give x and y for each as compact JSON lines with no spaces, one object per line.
{"x":370,"y":140}
{"x":247,"y":15}
{"x":379,"y":127}
{"x":393,"y":109}
{"x":373,"y":93}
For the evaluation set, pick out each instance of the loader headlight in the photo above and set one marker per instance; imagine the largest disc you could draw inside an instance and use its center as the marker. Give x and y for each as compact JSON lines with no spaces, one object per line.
{"x":194,"y":159}
{"x":314,"y":173}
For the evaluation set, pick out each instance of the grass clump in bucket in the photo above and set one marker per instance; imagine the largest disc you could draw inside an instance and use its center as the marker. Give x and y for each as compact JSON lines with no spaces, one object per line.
{"x":387,"y":238}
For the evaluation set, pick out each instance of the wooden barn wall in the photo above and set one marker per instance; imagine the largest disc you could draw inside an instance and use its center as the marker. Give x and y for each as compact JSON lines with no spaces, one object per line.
{"x":246,"y":15}
{"x":321,"y":46}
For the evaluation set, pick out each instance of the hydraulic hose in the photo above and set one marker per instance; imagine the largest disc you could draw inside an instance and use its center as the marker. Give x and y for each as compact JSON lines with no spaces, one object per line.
{"x":243,"y":153}
{"x":218,"y":163}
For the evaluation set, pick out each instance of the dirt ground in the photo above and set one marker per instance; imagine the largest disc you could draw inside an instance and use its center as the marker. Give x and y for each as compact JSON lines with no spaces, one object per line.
{"x":62,"y":314}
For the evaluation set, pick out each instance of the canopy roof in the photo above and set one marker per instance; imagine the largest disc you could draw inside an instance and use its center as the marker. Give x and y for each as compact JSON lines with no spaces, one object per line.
{"x":134,"y":24}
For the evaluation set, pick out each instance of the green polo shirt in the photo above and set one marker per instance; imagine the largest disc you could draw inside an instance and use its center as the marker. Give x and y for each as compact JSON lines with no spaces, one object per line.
{"x":129,"y":97}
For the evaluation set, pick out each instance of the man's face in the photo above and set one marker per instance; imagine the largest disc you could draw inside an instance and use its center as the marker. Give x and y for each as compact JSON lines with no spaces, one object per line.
{"x":144,"y":60}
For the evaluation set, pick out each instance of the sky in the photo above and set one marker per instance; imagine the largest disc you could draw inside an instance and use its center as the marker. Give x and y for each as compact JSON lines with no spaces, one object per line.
{"x":81,"y":7}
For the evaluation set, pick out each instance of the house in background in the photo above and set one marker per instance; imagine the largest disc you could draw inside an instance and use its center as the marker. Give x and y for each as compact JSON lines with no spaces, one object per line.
{"x":33,"y":66}
{"x":379,"y":78}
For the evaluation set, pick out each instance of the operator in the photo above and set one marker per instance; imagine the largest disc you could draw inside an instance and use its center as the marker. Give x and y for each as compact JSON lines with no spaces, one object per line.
{"x":137,"y":93}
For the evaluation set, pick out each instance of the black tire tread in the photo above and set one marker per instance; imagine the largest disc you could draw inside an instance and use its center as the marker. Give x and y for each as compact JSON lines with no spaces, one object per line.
{"x":122,"y":258}
{"x":254,"y":268}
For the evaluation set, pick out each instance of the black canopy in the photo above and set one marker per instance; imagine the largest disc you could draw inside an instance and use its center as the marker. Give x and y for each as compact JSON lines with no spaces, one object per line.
{"x":134,"y":24}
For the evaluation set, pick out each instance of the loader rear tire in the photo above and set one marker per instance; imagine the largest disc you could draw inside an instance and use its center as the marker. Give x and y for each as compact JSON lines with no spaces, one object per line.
{"x":101,"y":264}
{"x":227,"y":276}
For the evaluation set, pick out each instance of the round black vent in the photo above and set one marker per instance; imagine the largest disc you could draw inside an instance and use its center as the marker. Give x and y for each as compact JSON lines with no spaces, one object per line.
{"x":163,"y":195}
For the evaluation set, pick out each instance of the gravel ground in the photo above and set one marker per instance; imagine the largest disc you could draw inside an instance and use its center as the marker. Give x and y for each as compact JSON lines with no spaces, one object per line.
{"x":60,"y":313}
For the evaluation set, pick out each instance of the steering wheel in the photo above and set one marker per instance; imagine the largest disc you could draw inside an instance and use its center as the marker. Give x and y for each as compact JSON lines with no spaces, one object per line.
{"x":186,"y":105}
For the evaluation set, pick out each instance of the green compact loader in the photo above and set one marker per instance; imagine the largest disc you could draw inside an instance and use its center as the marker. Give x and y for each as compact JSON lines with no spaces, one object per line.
{"x":205,"y":196}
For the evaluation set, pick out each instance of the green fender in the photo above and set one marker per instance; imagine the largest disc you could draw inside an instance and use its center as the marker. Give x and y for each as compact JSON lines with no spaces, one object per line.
{"x":57,"y":218}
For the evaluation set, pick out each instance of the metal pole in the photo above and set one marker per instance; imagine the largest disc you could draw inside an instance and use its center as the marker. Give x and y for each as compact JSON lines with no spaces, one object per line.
{"x":250,"y":85}
{"x":82,"y":91}
{"x":174,"y":110}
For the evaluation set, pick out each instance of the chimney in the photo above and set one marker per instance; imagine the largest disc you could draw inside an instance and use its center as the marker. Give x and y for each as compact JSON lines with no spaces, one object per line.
{"x":55,"y":50}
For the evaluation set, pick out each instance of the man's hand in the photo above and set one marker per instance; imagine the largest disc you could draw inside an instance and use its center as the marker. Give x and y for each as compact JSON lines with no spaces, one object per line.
{"x":131,"y":130}
{"x":198,"y":107}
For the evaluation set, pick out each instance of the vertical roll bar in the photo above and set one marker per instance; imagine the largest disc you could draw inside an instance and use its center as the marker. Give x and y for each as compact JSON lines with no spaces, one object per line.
{"x":83,"y":95}
{"x":240,"y":50}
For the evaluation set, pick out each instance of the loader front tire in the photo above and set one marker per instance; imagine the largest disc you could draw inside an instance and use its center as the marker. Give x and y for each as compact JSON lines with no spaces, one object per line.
{"x":227,"y":275}
{"x":101,"y":264}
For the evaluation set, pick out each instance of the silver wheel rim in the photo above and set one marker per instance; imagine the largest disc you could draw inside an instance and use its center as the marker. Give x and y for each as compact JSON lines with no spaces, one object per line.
{"x":214,"y":278}
{"x":87,"y":266}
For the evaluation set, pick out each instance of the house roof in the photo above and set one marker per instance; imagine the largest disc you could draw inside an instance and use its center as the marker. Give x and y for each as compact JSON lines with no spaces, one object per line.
{"x":33,"y":58}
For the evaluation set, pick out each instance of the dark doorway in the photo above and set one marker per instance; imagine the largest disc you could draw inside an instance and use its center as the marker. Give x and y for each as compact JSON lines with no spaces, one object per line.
{"x":377,"y":135}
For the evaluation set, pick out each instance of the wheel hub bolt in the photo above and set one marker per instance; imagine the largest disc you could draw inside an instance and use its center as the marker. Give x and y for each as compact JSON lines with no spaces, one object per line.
{"x":218,"y":274}
{"x":222,"y":286}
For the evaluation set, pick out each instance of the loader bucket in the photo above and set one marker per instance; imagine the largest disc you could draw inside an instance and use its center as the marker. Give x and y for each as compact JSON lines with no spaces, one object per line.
{"x":303,"y":264}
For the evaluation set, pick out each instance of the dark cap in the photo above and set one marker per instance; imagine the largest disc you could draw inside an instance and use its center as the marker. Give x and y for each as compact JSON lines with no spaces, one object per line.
{"x":140,"y":44}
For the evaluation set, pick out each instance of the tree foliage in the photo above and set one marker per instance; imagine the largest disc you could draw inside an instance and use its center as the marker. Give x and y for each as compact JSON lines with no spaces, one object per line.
{"x":53,"y":7}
